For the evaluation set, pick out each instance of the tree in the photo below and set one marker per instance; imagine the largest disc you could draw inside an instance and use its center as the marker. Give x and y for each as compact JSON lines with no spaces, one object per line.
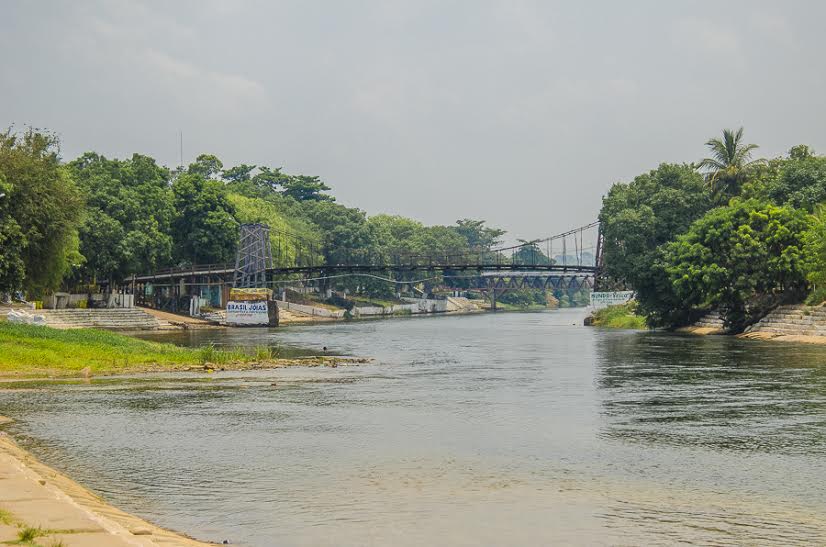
{"x":239,"y":173}
{"x":127,"y":221}
{"x":46,"y":206}
{"x":479,"y":237}
{"x":206,"y":165}
{"x":306,"y":188}
{"x":269,"y":180}
{"x":739,"y":259}
{"x":799,"y":180}
{"x":640,"y":216}
{"x":12,"y":243}
{"x":204,"y":228}
{"x":730,"y":164}
{"x":530,"y":253}
{"x":814,"y":246}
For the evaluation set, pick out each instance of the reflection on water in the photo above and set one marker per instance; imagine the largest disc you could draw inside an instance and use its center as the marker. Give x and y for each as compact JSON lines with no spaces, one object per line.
{"x":507,"y":429}
{"x":717,"y":392}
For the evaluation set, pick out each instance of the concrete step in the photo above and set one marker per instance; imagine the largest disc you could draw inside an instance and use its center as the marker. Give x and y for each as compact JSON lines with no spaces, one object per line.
{"x":119,"y":318}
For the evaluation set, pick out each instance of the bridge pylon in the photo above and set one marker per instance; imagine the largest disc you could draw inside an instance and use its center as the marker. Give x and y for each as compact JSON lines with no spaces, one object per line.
{"x":253,"y":257}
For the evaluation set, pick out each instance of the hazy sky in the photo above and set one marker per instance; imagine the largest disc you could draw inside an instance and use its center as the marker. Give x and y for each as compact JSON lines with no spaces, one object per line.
{"x":521,"y":113}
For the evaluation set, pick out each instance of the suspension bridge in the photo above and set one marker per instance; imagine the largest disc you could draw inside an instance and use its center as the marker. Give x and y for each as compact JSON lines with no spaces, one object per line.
{"x":569,"y":261}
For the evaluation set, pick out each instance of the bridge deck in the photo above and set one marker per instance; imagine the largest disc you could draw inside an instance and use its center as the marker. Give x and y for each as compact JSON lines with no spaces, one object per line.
{"x":484,"y":269}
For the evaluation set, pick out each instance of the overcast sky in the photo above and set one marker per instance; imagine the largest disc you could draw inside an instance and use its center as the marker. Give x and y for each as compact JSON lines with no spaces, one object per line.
{"x":521,"y":113}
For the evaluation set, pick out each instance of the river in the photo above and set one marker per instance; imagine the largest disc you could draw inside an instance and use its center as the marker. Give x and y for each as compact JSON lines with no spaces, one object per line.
{"x":494,"y":429}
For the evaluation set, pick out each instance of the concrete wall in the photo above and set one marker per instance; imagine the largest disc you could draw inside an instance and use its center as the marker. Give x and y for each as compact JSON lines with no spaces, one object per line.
{"x":310,"y":310}
{"x":64,"y":300}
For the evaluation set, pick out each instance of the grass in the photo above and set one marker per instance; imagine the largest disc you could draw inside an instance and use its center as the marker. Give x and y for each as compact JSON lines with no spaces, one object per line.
{"x":621,"y":316}
{"x":27,"y":350}
{"x":29,"y":534}
{"x":6,"y":518}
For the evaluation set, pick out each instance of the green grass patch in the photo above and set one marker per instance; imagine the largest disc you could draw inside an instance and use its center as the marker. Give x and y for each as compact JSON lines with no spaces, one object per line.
{"x":621,"y":316}
{"x":27,"y":350}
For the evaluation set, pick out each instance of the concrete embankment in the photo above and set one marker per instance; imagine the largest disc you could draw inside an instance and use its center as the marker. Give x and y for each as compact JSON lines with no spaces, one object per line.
{"x":791,"y":323}
{"x":37,"y":500}
{"x":788,"y":323}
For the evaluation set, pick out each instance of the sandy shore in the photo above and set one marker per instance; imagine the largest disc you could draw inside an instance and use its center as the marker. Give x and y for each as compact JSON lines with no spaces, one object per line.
{"x":33,"y":495}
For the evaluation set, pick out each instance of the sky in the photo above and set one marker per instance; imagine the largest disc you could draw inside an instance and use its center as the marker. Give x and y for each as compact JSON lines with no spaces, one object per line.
{"x":517,"y":112}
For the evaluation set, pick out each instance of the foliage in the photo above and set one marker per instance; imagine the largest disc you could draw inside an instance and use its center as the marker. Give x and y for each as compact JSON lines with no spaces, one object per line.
{"x":128,"y":215}
{"x":524,"y":298}
{"x":620,"y":316}
{"x":799,"y":180}
{"x":12,"y":243}
{"x":479,"y":237}
{"x":306,"y":188}
{"x":530,"y":253}
{"x":730,"y":164}
{"x":814,"y":242}
{"x":290,"y":235}
{"x":739,"y":259}
{"x":44,"y":203}
{"x":204,"y":230}
{"x":640,"y":216}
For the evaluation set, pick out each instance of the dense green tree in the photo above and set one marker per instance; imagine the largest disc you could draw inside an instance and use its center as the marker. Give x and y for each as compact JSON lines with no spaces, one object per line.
{"x":12,"y":244}
{"x":204,"y":229}
{"x":206,"y":165}
{"x":127,"y":221}
{"x":814,"y":252}
{"x":270,"y":180}
{"x":530,"y":253}
{"x":479,"y":236}
{"x":306,"y":188}
{"x":799,"y":180}
{"x":640,"y":216}
{"x":346,"y":235}
{"x":739,"y":259}
{"x":730,"y":164}
{"x":46,"y":206}
{"x":239,"y":173}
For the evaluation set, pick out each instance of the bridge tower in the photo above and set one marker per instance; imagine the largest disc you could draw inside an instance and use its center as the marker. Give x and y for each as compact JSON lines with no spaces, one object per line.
{"x":253,"y":257}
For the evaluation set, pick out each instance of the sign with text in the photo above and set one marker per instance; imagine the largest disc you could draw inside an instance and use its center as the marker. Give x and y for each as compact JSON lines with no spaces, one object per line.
{"x":601,"y":300}
{"x":248,"y":313}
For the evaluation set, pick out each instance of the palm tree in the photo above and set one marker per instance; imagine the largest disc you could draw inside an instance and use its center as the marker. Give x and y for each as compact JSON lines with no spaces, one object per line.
{"x":730,"y":164}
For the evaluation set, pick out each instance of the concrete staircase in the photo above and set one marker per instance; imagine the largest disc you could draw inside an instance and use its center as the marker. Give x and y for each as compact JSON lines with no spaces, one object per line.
{"x":797,"y":319}
{"x":118,"y":318}
{"x":711,"y":320}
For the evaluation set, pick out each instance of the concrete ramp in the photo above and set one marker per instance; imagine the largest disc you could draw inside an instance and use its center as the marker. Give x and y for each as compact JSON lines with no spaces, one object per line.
{"x":115,"y":319}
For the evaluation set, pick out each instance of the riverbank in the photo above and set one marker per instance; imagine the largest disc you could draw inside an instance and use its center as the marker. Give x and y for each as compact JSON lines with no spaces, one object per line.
{"x":40,"y":506}
{"x":28,"y":351}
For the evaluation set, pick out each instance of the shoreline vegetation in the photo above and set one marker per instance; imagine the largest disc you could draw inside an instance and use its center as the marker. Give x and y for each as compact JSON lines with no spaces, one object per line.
{"x":620,"y":316}
{"x":28,"y":351}
{"x":43,"y":507}
{"x":733,"y":232}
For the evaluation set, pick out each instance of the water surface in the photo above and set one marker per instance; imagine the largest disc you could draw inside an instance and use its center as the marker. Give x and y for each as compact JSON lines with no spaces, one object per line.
{"x":489,"y":429}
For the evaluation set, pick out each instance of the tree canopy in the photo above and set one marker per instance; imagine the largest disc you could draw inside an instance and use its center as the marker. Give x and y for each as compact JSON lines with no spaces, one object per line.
{"x":42,"y":208}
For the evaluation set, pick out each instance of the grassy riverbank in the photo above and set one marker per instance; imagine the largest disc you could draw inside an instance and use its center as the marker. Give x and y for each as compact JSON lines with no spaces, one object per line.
{"x":28,"y":351}
{"x":622,"y":316}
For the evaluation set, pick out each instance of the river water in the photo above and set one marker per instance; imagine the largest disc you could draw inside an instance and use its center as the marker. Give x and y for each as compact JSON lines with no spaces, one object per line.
{"x":505,"y":429}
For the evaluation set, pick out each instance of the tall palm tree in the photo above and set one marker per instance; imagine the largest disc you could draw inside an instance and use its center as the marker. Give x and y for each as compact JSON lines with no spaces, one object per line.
{"x":729,"y":165}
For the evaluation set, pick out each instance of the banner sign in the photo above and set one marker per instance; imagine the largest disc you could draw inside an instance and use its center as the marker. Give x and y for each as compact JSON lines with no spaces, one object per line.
{"x":601,"y":300}
{"x":248,"y":313}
